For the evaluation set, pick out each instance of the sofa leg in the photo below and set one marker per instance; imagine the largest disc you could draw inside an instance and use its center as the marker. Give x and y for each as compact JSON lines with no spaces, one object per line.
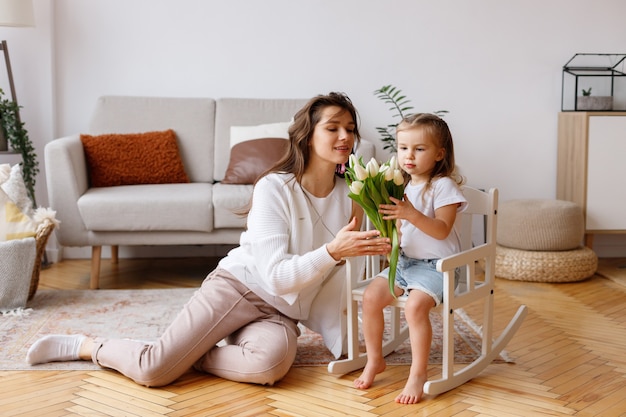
{"x":114,"y":253}
{"x":96,"y":252}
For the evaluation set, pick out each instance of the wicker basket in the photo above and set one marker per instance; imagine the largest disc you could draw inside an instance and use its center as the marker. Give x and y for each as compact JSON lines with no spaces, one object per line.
{"x":43,"y":233}
{"x":545,"y":266}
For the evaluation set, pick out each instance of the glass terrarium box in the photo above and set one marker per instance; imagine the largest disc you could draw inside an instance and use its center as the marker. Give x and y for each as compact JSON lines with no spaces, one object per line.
{"x":594,"y":82}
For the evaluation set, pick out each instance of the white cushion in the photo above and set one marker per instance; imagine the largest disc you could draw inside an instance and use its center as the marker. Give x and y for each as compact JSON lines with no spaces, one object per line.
{"x":227,"y":200}
{"x":154,"y":207}
{"x":240,"y":134}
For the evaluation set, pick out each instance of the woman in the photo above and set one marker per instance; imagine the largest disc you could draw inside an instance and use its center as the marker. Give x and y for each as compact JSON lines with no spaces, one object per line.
{"x":301,"y":224}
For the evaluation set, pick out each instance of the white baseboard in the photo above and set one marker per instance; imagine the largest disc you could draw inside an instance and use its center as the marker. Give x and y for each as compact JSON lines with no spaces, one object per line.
{"x":54,"y":254}
{"x":605,"y":246}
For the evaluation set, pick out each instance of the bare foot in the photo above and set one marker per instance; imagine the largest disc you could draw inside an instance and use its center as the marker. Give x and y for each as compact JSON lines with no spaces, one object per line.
{"x":413,"y":390}
{"x":372,"y":368}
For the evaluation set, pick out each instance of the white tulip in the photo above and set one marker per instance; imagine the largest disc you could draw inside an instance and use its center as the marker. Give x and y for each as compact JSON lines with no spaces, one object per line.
{"x":398,"y":178}
{"x":388,"y":173}
{"x":393,"y":162}
{"x":356,"y":187}
{"x":353,"y":161}
{"x":360,"y":172}
{"x":372,"y":167}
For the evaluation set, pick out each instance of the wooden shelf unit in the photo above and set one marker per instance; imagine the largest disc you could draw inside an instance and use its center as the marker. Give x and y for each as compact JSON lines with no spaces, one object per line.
{"x":591,"y":168}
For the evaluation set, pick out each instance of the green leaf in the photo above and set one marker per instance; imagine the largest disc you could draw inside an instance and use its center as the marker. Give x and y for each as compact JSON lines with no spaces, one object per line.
{"x":400,"y":107}
{"x":393,"y":261}
{"x":17,"y":137}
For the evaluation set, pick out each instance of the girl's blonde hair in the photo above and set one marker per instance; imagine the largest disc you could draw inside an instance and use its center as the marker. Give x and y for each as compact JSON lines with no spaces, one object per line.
{"x":439,"y":131}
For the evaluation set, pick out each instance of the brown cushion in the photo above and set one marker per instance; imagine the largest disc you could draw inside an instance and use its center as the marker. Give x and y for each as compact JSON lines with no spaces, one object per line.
{"x":250,"y":159}
{"x":134,"y":158}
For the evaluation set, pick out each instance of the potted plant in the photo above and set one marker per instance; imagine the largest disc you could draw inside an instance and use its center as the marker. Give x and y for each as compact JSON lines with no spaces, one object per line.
{"x":400,"y":105}
{"x":12,"y":128}
{"x":589,"y":102}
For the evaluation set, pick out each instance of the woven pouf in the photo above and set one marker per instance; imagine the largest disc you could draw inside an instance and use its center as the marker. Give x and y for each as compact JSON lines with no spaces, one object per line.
{"x":543,"y":225}
{"x":545,"y":266}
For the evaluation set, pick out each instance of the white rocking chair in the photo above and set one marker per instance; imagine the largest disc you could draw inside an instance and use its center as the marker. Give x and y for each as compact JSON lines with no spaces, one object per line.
{"x":479,"y":217}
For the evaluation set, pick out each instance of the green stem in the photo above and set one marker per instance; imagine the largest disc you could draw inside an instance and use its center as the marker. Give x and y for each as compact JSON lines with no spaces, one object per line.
{"x":393,"y":260}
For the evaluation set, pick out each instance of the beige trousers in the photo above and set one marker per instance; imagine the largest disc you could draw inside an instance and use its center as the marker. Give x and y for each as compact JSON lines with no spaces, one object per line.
{"x":261,"y":342}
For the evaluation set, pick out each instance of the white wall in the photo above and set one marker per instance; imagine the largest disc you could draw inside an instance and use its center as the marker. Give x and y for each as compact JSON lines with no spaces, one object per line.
{"x":495,"y":65}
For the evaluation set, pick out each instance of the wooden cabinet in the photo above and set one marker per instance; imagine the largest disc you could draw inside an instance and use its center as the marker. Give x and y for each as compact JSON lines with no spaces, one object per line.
{"x":591,"y":168}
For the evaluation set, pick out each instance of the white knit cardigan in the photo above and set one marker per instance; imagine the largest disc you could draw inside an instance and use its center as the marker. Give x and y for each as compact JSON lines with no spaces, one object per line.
{"x":276,"y":258}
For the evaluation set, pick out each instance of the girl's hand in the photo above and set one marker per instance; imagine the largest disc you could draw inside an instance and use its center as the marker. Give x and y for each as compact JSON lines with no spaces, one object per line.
{"x":399,"y":210}
{"x":350,"y":242}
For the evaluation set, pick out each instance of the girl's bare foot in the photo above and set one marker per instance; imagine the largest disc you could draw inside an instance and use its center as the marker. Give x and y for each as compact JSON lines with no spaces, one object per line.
{"x":413,"y":390}
{"x":372,"y":368}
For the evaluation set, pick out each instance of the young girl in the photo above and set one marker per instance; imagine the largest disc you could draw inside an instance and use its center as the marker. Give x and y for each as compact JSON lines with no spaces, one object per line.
{"x":426,"y":218}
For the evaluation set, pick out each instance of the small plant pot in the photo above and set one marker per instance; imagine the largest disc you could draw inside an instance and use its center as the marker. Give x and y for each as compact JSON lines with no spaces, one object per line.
{"x":594,"y":103}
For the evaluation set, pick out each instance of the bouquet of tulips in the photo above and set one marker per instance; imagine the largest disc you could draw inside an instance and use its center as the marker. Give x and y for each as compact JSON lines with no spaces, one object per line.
{"x":370,"y":186}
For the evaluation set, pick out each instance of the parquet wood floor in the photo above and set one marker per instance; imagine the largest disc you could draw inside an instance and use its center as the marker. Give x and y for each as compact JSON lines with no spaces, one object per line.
{"x":570,"y":360}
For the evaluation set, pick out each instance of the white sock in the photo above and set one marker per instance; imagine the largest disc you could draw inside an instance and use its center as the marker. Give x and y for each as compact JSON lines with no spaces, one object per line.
{"x":55,"y":348}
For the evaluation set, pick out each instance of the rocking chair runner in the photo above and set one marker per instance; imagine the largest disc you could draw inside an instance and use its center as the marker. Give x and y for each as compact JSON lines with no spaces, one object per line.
{"x":481,"y":210}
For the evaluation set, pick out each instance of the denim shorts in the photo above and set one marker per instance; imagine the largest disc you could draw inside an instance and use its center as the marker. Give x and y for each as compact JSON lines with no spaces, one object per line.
{"x":420,"y":274}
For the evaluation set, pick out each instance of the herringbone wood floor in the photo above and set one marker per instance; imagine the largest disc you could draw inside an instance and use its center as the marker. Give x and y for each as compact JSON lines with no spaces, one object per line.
{"x":570,"y":359}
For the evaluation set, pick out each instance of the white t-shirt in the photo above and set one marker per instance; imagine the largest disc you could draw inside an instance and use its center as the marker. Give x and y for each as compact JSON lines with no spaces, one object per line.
{"x":417,"y":244}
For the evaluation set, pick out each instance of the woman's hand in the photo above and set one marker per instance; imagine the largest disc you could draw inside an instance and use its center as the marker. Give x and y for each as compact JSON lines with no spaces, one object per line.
{"x":350,"y":242}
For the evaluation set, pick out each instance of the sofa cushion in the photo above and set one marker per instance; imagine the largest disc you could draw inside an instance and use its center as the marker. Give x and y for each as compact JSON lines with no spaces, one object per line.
{"x":228,"y":201}
{"x":12,"y":183}
{"x":251,"y":158}
{"x":13,"y":223}
{"x":231,"y":112}
{"x":192,"y":118}
{"x":240,"y":134}
{"x":163,"y":207}
{"x":134,"y":158}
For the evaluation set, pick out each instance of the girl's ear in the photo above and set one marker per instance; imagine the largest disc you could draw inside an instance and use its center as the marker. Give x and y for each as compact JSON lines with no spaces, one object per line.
{"x":440,"y":154}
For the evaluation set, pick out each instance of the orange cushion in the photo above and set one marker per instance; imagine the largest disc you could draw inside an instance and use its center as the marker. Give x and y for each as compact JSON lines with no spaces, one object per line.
{"x":251,"y":158}
{"x":134,"y":158}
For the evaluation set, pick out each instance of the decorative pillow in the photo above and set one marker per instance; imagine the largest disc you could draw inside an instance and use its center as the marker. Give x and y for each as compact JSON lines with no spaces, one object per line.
{"x":12,"y":183}
{"x":254,"y":150}
{"x":251,"y":158}
{"x":14,"y":224}
{"x":134,"y":158}
{"x":239,"y":134}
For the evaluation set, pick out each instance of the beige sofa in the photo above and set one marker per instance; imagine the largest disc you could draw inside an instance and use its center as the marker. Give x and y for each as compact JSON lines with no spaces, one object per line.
{"x":200,"y":212}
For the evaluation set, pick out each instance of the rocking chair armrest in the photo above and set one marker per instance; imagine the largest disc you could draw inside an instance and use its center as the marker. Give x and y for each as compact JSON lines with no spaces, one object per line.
{"x":467,"y":257}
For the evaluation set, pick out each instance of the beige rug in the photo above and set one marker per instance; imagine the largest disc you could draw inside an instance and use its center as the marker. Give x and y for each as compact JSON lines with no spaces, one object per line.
{"x":144,"y":315}
{"x":613,"y":269}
